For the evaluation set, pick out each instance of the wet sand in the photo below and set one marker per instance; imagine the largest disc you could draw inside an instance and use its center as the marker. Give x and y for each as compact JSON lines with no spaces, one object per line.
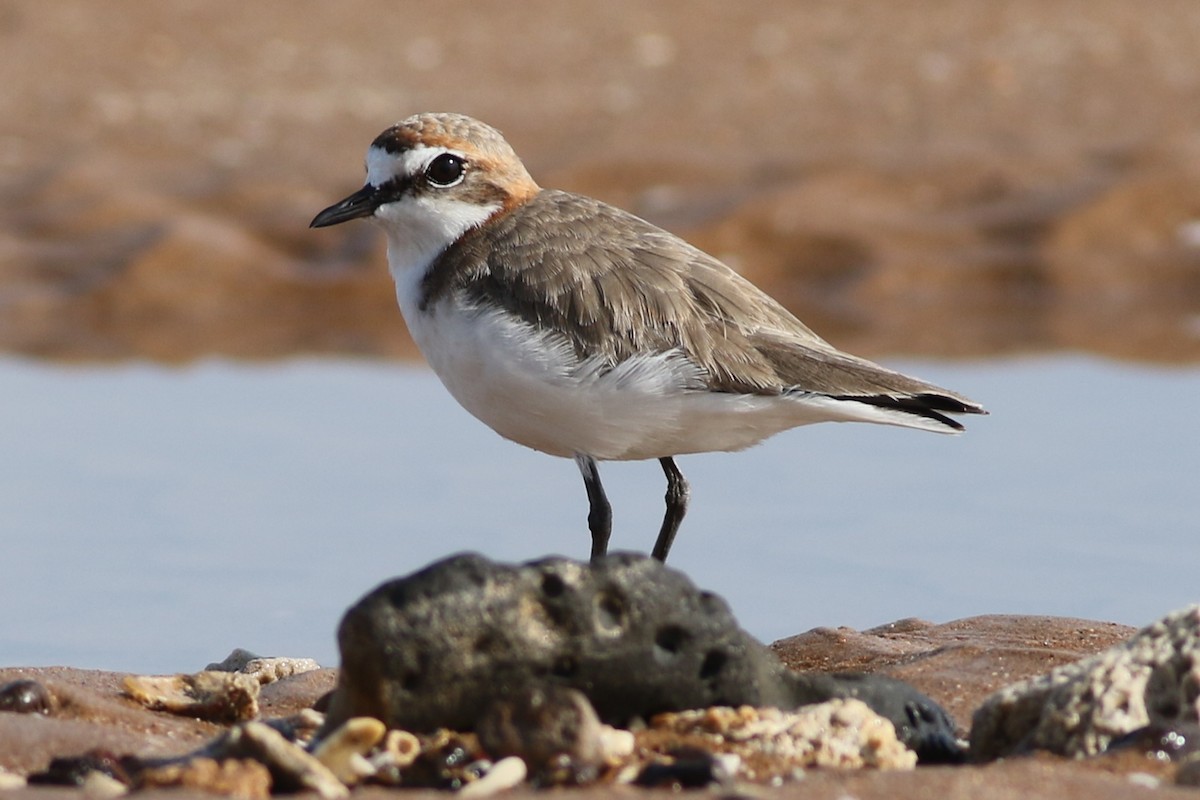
{"x":950,"y":179}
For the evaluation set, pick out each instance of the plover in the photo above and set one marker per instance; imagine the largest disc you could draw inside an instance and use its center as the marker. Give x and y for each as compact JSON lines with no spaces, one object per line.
{"x":580,"y":330}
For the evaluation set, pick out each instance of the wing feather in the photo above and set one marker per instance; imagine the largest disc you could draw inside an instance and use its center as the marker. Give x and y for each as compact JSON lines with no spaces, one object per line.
{"x":558,"y":265}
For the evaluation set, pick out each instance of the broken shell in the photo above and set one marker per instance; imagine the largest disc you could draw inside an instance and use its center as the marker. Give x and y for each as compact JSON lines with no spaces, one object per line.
{"x":343,"y":750}
{"x":215,"y":696}
{"x":401,"y":748}
{"x":615,"y":744}
{"x":292,"y":767}
{"x":504,"y":774}
{"x":11,"y":781}
{"x":98,"y":786}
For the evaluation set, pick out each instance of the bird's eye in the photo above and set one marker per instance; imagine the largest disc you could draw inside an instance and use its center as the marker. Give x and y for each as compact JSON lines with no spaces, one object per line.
{"x":445,"y":170}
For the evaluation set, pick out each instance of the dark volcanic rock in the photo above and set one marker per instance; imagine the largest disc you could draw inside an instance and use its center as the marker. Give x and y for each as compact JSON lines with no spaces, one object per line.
{"x":436,"y":648}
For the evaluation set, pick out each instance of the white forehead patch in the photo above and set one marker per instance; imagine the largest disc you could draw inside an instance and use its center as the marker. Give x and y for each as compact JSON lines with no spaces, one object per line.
{"x":383,"y":166}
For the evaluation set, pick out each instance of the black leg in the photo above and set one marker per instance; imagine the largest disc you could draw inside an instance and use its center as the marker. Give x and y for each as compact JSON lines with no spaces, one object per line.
{"x":677,"y":500}
{"x":600,"y":512}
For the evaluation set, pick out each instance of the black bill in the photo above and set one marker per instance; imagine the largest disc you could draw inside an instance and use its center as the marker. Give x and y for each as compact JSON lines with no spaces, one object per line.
{"x":360,"y":204}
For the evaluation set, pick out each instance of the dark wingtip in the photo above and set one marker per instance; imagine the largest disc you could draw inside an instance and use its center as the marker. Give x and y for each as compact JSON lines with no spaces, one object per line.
{"x":928,"y":405}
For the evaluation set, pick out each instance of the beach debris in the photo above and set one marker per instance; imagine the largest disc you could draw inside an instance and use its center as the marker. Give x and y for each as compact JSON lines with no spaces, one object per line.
{"x":447,"y":760}
{"x":9,"y":780}
{"x":681,"y":768}
{"x":26,"y":696}
{"x":99,"y":786}
{"x":74,"y":770}
{"x":266,"y":669}
{"x":772,"y":744}
{"x":343,"y":750}
{"x":1162,"y":741}
{"x":1079,"y":709}
{"x":504,"y":774}
{"x":292,"y":768}
{"x":243,"y":778}
{"x":400,"y":748}
{"x":539,"y":723}
{"x":435,"y":649}
{"x":300,"y":727}
{"x":215,"y":696}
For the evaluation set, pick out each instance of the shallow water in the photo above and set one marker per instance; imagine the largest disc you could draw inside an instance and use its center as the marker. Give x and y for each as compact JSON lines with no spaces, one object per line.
{"x":153,"y":519}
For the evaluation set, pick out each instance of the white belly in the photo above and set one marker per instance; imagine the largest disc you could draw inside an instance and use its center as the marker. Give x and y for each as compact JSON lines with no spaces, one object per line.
{"x":530,"y":388}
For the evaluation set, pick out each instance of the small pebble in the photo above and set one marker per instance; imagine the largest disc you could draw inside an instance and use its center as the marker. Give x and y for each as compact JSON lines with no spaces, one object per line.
{"x":1171,"y":740}
{"x":447,"y":760}
{"x":26,"y":697}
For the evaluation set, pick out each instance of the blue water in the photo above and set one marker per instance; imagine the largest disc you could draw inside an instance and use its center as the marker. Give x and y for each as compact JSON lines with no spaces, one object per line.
{"x":152,"y":519}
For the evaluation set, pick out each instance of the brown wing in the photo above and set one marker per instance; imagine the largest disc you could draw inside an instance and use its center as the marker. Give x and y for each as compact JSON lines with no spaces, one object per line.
{"x":614,"y":285}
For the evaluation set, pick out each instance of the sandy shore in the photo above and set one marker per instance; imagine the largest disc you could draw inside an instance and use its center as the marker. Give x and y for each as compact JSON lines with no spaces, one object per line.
{"x":957,"y":663}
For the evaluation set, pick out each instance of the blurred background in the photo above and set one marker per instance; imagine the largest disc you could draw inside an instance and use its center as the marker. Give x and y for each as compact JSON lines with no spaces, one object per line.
{"x":215,"y":432}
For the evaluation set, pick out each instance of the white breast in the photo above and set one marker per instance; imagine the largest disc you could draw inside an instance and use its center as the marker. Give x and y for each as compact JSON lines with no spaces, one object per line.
{"x":529,"y":387}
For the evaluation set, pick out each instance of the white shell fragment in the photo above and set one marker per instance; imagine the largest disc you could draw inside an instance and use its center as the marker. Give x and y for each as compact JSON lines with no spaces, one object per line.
{"x":344,"y":750}
{"x":504,"y":774}
{"x":98,"y":786}
{"x":292,"y":766}
{"x":11,"y":781}
{"x":400,"y":749}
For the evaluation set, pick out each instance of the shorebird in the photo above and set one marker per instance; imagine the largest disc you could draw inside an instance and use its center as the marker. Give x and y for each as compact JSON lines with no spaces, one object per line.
{"x":580,"y":330}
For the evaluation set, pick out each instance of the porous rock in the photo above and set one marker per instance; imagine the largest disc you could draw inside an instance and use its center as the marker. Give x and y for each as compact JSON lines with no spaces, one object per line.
{"x":540,"y":723}
{"x":266,"y":670}
{"x":1079,"y":709}
{"x":217,"y":696}
{"x":437,"y":648}
{"x":236,"y":777}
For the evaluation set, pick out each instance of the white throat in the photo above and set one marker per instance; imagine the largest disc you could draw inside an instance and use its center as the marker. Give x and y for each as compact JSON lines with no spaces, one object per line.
{"x":418,"y":231}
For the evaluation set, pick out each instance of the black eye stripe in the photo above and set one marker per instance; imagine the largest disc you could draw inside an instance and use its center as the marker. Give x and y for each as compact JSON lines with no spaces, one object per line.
{"x":392,"y":190}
